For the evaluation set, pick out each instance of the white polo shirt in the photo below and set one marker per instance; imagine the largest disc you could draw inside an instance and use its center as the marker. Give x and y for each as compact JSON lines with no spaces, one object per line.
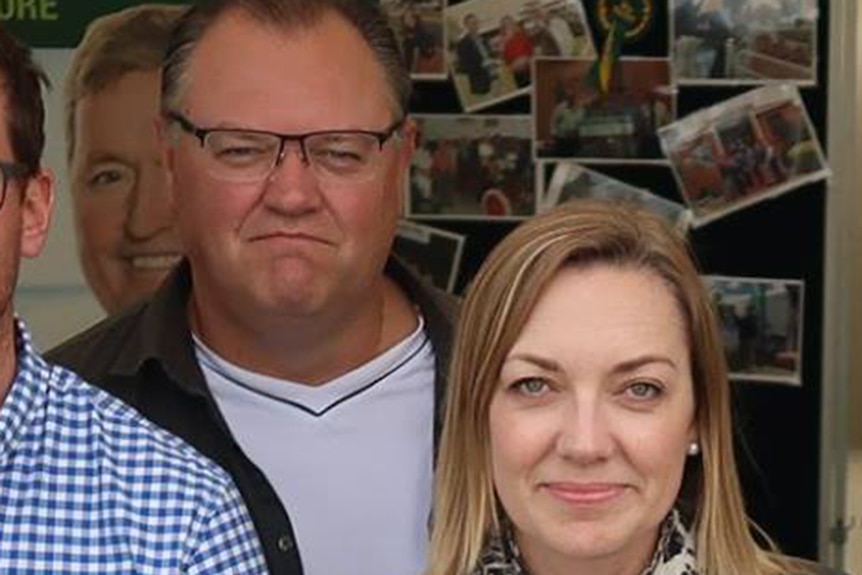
{"x":351,"y":460}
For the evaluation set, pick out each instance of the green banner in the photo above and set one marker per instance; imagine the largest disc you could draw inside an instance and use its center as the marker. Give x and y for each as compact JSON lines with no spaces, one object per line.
{"x":58,"y":23}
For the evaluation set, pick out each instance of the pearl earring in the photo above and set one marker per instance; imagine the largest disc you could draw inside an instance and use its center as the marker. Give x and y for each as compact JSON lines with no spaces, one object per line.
{"x":693,"y":448}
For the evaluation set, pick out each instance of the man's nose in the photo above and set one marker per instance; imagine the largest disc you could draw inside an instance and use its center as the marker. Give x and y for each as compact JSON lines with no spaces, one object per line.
{"x":292,"y":186}
{"x":150,"y":204}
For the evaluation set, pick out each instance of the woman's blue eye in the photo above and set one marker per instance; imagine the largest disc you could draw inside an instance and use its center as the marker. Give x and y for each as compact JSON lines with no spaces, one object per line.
{"x":644,"y":390}
{"x":531,"y":386}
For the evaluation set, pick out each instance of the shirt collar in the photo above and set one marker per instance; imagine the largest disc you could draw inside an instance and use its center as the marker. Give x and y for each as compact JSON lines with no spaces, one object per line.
{"x":26,"y":393}
{"x":165,"y":336}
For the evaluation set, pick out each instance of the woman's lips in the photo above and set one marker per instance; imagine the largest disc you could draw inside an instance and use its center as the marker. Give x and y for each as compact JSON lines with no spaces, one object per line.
{"x":585,"y":493}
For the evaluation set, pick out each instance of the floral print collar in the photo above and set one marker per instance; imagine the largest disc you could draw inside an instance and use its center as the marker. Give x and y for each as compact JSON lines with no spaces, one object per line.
{"x":674,"y":553}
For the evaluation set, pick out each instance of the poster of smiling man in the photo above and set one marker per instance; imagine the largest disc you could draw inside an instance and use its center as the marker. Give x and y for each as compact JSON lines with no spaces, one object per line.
{"x":103,"y":60}
{"x":745,"y":150}
{"x":574,"y":119}
{"x":744,"y":41}
{"x":761,"y":327}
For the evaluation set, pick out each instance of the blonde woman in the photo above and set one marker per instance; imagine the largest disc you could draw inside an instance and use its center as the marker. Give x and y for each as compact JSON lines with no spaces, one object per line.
{"x":587,"y":427}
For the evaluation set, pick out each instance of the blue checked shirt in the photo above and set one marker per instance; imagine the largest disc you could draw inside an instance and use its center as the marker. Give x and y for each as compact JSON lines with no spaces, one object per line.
{"x":89,"y":486}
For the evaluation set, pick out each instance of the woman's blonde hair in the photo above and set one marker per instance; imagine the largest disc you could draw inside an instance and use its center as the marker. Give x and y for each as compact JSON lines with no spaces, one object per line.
{"x":498,"y":303}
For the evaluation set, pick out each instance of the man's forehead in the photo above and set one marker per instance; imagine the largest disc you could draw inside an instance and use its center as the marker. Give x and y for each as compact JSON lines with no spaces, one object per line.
{"x":108,"y":79}
{"x":237,"y":31}
{"x":129,"y":83}
{"x":323,"y":53}
{"x":249,"y":23}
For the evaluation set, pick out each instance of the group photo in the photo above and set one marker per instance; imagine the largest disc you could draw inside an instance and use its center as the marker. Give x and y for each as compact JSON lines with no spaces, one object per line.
{"x":748,"y":149}
{"x":472,"y":166}
{"x":418,"y":25}
{"x":430,"y":287}
{"x":745,"y":41}
{"x":492,"y":44}
{"x":574,"y":119}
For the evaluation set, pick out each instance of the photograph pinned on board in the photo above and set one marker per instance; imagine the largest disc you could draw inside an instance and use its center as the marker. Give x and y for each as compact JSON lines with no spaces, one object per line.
{"x":472,"y":167}
{"x":491,"y":44}
{"x":761,"y":327}
{"x":744,"y":41}
{"x":572,"y":181}
{"x":575,"y":120}
{"x":745,"y":150}
{"x":434,"y":253}
{"x":419,"y":29}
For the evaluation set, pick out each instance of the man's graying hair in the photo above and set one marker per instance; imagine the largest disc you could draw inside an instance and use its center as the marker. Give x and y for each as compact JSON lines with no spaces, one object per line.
{"x":364,"y":15}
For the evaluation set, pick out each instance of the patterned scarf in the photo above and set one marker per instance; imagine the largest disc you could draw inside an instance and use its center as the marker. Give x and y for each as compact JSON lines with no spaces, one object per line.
{"x":674,"y":554}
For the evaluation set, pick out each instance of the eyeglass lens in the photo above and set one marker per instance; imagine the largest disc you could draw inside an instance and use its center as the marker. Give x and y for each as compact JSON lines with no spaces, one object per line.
{"x":240,"y":155}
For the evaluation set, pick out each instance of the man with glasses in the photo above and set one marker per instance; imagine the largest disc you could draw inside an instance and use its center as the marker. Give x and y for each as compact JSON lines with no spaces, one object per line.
{"x":289,"y":345}
{"x":87,"y":485}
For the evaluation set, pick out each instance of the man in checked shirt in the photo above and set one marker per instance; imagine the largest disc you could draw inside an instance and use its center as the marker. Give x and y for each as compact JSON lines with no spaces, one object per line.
{"x":86,"y":484}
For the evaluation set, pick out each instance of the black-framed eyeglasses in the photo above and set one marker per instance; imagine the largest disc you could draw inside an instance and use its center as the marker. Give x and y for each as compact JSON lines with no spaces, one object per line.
{"x":9,"y":171}
{"x":244,"y":155}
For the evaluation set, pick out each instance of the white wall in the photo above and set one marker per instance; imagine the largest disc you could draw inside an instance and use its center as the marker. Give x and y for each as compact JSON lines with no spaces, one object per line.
{"x":842,"y":362}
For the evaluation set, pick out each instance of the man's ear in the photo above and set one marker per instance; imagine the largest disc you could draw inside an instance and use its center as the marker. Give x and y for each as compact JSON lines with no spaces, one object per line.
{"x":408,"y":141}
{"x":36,"y":209}
{"x":406,"y":149}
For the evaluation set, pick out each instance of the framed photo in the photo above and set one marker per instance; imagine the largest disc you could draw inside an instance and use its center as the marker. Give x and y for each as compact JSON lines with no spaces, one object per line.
{"x":753,"y":147}
{"x":744,"y":41}
{"x":574,"y":120}
{"x":491,"y":44}
{"x":571,"y":181}
{"x":761,"y":327}
{"x":472,"y":167}
{"x":433,"y":253}
{"x":418,"y":26}
{"x":558,"y":28}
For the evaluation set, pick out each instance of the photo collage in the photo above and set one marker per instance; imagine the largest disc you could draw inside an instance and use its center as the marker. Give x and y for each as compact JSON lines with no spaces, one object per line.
{"x":539,"y":124}
{"x":485,"y":166}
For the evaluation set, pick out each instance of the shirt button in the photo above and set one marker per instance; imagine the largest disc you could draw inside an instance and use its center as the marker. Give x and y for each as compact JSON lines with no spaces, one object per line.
{"x":285,"y":543}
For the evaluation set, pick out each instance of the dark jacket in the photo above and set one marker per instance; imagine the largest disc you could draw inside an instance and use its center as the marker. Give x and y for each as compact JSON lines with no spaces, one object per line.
{"x":472,"y":62}
{"x":146,"y":357}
